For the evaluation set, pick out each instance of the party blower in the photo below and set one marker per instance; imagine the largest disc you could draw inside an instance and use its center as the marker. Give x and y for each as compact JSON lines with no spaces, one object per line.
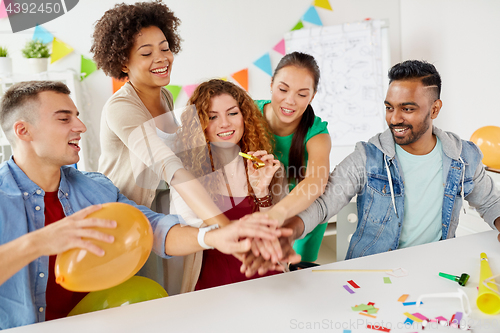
{"x":488,"y":299}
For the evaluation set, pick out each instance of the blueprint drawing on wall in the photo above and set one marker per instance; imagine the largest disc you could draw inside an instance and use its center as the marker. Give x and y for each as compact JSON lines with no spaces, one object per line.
{"x":351,"y":91}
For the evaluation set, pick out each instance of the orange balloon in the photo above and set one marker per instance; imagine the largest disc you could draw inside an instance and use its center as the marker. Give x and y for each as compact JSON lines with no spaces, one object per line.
{"x":80,"y":270}
{"x":487,"y":138}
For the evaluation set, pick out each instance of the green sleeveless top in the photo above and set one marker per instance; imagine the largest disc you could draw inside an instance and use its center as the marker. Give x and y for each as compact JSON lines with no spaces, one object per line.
{"x":282,"y":144}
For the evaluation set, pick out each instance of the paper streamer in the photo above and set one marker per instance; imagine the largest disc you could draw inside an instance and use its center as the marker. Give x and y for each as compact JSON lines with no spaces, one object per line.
{"x":242,"y":78}
{"x":298,"y":26}
{"x":403,"y":298}
{"x":280,"y":47}
{"x":352,"y":283}
{"x":189,"y":89}
{"x":59,"y":50}
{"x":312,"y":16}
{"x":412,"y":317}
{"x":42,"y":34}
{"x":175,"y":90}
{"x":325,"y":4}
{"x":346,"y":287}
{"x":378,"y":328}
{"x":87,"y":67}
{"x":411,"y":303}
{"x":264,"y":63}
{"x":387,"y":280}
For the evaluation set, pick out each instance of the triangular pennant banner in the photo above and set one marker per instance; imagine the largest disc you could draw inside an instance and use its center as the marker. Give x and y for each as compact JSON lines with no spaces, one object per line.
{"x":189,"y":89}
{"x":3,"y":5}
{"x":242,"y":78}
{"x":59,"y":50}
{"x":280,"y":47}
{"x":298,"y":26}
{"x":264,"y":63}
{"x":325,"y":4}
{"x":3,"y":13}
{"x":224,"y":78}
{"x":117,"y":84}
{"x":312,"y":16}
{"x":175,"y":90}
{"x":87,"y":67}
{"x":42,"y":34}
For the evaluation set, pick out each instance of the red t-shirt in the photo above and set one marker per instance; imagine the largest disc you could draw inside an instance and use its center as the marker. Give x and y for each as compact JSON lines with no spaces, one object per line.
{"x":59,"y":300}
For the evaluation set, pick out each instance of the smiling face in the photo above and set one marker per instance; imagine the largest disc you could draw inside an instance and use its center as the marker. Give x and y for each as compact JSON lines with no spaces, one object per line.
{"x":410,"y":108}
{"x":292,"y":91}
{"x":225,"y":122}
{"x":150,"y":59}
{"x":56,"y":132}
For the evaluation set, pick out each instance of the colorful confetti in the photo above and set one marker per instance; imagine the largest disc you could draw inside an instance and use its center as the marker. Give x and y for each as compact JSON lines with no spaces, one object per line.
{"x":403,"y":298}
{"x":352,"y":283}
{"x":346,"y":287}
{"x":387,"y":279}
{"x":378,"y":328}
{"x":411,"y":303}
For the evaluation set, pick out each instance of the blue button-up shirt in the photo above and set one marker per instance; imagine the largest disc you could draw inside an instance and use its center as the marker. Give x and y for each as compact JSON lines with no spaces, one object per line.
{"x":22,"y":297}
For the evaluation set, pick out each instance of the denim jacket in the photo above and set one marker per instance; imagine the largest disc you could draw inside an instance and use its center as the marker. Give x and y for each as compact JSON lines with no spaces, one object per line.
{"x":373,"y":173}
{"x":22,"y":297}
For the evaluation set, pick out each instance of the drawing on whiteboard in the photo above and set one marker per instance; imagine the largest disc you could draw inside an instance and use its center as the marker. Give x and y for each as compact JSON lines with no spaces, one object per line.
{"x":350,"y":93}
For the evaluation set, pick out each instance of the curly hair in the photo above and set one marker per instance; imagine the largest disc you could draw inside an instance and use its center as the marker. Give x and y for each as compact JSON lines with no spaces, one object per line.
{"x":115,"y":32}
{"x":200,"y":162}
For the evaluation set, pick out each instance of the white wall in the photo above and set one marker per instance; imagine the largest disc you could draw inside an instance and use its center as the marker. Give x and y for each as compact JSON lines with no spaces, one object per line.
{"x":225,"y":36}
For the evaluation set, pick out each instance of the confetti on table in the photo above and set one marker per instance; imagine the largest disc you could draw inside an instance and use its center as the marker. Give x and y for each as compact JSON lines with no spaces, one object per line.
{"x":362,"y":307}
{"x":387,"y":279}
{"x":403,"y":298}
{"x":458,"y":317}
{"x":366,"y":314}
{"x":372,"y":311}
{"x":408,"y":321}
{"x":370,"y":303}
{"x":352,"y":283}
{"x":412,"y":317}
{"x":420,"y":316}
{"x":347,"y":331}
{"x":411,"y":303}
{"x":378,"y":328}
{"x":346,"y":287}
{"x":441,"y":318}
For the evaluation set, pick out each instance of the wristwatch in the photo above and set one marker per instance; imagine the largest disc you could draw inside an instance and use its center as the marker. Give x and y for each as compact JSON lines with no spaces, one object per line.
{"x":201,"y":235}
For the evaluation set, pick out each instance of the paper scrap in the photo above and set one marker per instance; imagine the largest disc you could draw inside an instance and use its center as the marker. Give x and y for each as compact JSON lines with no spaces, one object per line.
{"x":420,"y":316}
{"x":408,"y":321}
{"x":441,"y":318}
{"x":372,"y":311}
{"x":362,"y":307}
{"x":403,"y":298}
{"x":366,"y":314}
{"x":378,"y":328}
{"x":412,"y":317}
{"x":352,"y":283}
{"x":347,"y":331}
{"x":411,"y":303}
{"x":458,"y":317}
{"x":370,"y":303}
{"x":346,"y":287}
{"x":387,"y":279}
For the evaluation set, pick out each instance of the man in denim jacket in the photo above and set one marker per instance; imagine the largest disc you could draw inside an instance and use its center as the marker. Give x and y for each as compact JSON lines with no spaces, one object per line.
{"x":410,"y":180}
{"x":41,"y":122}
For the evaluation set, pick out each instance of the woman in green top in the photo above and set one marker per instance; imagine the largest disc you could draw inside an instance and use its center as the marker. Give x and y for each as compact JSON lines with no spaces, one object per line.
{"x":302,"y":142}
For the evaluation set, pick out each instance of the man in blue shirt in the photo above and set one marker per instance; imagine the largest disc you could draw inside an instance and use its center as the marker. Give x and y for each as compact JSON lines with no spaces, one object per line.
{"x":41,"y":123}
{"x":410,"y":181}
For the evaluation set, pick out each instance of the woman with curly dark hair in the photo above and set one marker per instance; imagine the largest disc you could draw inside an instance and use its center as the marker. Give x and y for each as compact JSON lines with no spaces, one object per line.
{"x":224,"y":122}
{"x":137,"y":42}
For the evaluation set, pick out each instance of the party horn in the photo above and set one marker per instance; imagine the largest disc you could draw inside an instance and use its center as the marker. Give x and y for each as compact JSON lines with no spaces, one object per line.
{"x":257,"y":163}
{"x":488,"y":299}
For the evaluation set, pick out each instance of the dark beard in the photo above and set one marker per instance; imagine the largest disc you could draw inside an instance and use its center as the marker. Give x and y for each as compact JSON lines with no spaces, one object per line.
{"x":413,"y":137}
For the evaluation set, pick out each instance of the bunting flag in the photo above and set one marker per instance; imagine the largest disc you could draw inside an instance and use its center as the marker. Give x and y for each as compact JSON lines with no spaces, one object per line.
{"x":117,"y":84}
{"x":175,"y":90}
{"x":87,"y":67}
{"x":298,"y":26}
{"x":312,"y":16}
{"x":189,"y":89}
{"x":325,"y":4}
{"x":264,"y":63}
{"x":59,"y":50}
{"x":42,"y":34}
{"x":3,"y":6}
{"x":242,"y":78}
{"x":224,"y":78}
{"x":280,"y":47}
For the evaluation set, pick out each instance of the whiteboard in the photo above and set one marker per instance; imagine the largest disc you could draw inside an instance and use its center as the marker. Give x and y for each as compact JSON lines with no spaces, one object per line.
{"x":353,"y":60}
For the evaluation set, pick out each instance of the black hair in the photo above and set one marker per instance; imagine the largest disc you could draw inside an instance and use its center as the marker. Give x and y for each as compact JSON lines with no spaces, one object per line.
{"x":416,"y":69}
{"x":296,"y":156}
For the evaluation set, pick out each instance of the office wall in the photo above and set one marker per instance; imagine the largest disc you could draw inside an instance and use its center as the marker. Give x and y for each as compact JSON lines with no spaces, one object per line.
{"x":225,"y":36}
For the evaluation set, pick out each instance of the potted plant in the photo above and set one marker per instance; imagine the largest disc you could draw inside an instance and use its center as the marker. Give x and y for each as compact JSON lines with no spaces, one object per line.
{"x":37,"y":54}
{"x":5,"y":62}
